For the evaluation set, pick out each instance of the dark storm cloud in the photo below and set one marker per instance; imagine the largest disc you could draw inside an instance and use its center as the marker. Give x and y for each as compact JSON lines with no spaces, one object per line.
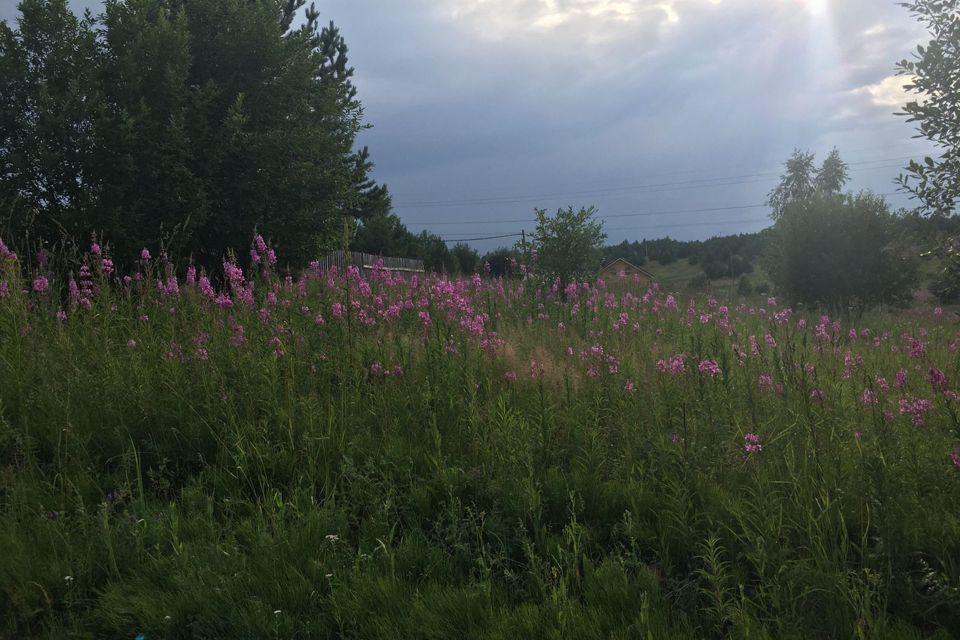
{"x":511,"y":104}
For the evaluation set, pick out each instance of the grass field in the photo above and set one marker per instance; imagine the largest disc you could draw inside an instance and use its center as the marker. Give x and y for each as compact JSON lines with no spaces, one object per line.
{"x":379,"y":456}
{"x":679,"y":274}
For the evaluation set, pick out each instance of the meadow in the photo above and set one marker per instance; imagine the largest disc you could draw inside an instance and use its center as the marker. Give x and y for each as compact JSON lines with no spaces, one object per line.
{"x":385,"y":455}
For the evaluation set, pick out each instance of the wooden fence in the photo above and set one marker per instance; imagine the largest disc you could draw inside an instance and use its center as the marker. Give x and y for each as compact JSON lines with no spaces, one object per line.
{"x":365,"y":261}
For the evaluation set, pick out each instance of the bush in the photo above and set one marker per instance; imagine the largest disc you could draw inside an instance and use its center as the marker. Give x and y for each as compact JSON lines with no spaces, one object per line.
{"x":838,"y":253}
{"x":714,"y":270}
{"x":699,"y":282}
{"x":744,"y":288}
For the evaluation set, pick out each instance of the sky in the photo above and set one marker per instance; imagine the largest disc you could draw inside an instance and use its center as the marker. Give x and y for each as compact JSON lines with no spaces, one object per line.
{"x":671,"y":117}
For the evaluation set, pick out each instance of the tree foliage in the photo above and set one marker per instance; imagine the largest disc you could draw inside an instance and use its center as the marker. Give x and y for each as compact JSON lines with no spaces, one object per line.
{"x":838,"y":252}
{"x":934,"y":76}
{"x":435,"y":253}
{"x":386,"y":235}
{"x":802,"y":180}
{"x":466,"y":257}
{"x":569,"y":243}
{"x":192,"y":122}
{"x":504,"y":262}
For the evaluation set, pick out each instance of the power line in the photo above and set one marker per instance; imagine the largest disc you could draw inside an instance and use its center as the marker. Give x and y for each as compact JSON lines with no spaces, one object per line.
{"x":505,"y":235}
{"x":747,"y":178}
{"x":689,"y":224}
{"x":645,"y":213}
{"x":652,"y":226}
{"x":641,"y":214}
{"x":611,"y":215}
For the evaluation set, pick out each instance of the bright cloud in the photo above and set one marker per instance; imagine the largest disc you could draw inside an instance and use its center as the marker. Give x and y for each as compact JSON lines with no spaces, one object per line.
{"x":501,"y":18}
{"x":889,"y":92}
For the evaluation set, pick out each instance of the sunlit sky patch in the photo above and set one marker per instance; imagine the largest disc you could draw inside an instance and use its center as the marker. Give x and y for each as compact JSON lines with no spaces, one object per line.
{"x":484,"y":109}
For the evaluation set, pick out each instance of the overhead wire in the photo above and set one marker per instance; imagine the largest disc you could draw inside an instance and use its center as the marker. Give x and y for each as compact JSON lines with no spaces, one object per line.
{"x":748,"y":178}
{"x":648,"y":213}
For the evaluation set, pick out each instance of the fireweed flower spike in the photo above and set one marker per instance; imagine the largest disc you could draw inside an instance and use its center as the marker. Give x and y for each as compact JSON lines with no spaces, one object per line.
{"x":710,"y":368}
{"x":41,"y":285}
{"x":751,"y":444}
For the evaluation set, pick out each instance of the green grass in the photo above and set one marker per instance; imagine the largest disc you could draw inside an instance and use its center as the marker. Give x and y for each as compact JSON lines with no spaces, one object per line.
{"x":675,"y":276}
{"x":381,"y":474}
{"x":679,"y":274}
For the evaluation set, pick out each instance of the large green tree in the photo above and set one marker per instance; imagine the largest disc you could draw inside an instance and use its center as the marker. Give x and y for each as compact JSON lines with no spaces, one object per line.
{"x":188,"y":122}
{"x":839,"y":252}
{"x":569,"y":243}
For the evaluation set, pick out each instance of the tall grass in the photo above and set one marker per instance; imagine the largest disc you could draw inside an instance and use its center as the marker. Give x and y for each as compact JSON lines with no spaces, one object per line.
{"x":375,"y":456}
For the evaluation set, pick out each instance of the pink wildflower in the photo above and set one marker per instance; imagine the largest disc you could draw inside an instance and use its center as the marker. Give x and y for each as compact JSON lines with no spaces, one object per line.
{"x":901,"y":378}
{"x":277,"y":345}
{"x":41,"y":285}
{"x":677,"y":365}
{"x":751,"y":444}
{"x":915,"y":409}
{"x":6,"y":254}
{"x":206,"y":288}
{"x":536,"y":369}
{"x":938,"y":381}
{"x":238,"y":339}
{"x":710,"y":368}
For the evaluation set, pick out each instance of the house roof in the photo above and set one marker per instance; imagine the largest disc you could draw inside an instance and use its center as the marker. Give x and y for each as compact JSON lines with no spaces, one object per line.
{"x":628,"y":264}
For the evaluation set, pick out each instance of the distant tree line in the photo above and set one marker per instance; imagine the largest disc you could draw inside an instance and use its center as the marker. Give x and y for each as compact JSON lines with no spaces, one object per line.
{"x":719,"y":257}
{"x":386,"y":235}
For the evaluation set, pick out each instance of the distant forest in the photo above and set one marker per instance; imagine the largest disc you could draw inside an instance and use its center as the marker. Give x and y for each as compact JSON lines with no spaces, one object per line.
{"x":720,"y":256}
